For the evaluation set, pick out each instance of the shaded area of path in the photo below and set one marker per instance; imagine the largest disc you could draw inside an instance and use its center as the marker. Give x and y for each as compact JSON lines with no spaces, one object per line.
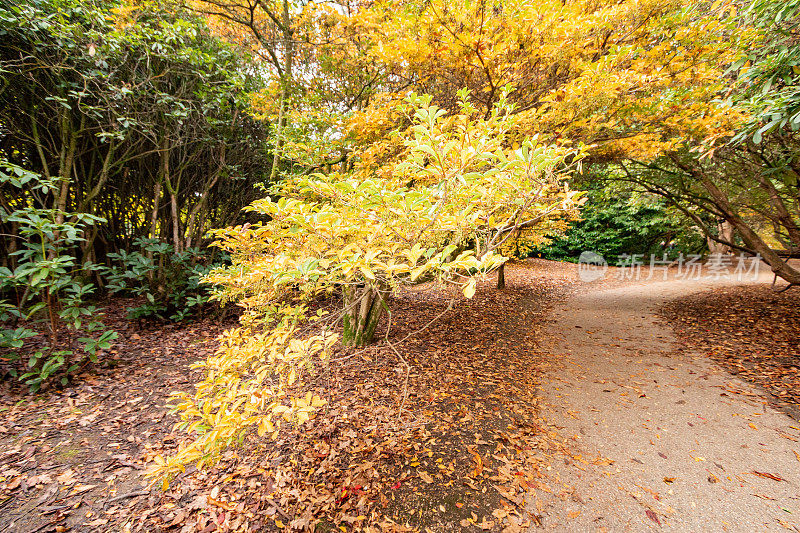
{"x":661,"y":439}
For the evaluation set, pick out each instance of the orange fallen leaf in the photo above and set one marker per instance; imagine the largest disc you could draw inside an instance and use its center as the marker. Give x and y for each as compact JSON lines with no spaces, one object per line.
{"x":768,"y":475}
{"x":223,"y":505}
{"x":478,"y":462}
{"x":80,"y":489}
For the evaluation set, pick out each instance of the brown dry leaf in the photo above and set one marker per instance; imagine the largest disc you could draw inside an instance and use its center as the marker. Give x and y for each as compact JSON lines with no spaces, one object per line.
{"x":13,"y":484}
{"x":180,"y":518}
{"x":500,"y":513}
{"x":485,"y":524}
{"x":427,"y":478}
{"x":478,"y":470}
{"x":67,"y":477}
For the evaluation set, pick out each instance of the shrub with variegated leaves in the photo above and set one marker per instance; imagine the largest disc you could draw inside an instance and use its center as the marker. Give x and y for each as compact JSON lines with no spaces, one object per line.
{"x":439,"y":212}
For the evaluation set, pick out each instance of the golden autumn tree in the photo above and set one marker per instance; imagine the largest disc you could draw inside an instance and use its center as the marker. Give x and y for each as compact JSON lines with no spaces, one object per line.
{"x":632,"y":79}
{"x":631,"y":74}
{"x":440,"y":210}
{"x":317,"y":70}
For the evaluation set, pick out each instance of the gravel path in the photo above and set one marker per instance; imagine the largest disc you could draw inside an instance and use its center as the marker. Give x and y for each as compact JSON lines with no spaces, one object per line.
{"x":660,"y":439}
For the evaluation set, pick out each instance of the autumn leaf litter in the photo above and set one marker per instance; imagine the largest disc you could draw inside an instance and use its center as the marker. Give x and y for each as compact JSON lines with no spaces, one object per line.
{"x":463,"y":455}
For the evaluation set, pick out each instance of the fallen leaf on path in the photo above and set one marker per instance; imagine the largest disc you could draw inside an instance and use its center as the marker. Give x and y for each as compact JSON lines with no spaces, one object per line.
{"x":652,"y":516}
{"x":768,"y":475}
{"x":80,"y":489}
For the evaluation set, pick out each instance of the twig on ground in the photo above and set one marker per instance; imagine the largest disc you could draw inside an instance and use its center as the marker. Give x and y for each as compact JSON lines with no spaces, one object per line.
{"x":402,"y":359}
{"x":128,"y":495}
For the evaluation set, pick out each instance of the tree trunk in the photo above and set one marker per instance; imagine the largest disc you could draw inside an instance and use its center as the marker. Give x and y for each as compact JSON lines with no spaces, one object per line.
{"x":725,"y":232}
{"x":176,"y":221}
{"x":154,"y":222}
{"x":501,"y":277}
{"x":781,"y":212}
{"x":104,"y":173}
{"x":67,"y":159}
{"x":286,"y":79}
{"x":750,"y":238}
{"x":191,"y":232}
{"x":780,"y":267}
{"x":363,"y":310}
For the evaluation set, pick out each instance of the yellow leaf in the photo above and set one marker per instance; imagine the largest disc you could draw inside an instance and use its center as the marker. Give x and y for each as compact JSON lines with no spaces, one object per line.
{"x":469,"y":290}
{"x":318,"y":402}
{"x":417,"y":271}
{"x":367,"y":273}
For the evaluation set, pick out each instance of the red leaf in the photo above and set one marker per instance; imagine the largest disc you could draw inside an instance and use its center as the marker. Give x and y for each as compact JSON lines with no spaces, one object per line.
{"x":653,"y":516}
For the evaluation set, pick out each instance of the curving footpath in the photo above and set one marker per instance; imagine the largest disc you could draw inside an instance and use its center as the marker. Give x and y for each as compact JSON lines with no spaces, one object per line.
{"x":659,"y":439}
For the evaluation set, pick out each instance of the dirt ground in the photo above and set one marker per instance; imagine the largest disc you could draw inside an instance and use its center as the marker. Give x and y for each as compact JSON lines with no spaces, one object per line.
{"x":552,"y":404}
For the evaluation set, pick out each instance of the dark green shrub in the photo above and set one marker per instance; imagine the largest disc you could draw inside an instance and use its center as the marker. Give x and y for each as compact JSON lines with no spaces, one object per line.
{"x":169,"y":281}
